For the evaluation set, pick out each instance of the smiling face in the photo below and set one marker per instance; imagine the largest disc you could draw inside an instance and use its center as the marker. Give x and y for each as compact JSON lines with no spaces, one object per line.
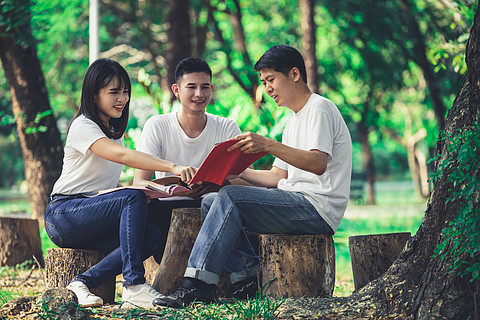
{"x":279,"y":86}
{"x":111,"y":101}
{"x":194,"y":90}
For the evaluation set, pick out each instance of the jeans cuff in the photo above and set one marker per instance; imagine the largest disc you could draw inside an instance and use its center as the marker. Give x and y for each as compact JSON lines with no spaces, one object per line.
{"x":203,"y":275}
{"x":244,"y":274}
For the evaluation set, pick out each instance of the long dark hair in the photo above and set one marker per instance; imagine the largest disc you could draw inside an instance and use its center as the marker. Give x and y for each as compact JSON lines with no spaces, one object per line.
{"x":100,"y":73}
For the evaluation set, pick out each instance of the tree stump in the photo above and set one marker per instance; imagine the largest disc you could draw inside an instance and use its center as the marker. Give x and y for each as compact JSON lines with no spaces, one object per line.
{"x":296,"y":265}
{"x":63,"y":264}
{"x":20,"y":241}
{"x":184,"y":227}
{"x":372,"y":255}
{"x":167,"y":276}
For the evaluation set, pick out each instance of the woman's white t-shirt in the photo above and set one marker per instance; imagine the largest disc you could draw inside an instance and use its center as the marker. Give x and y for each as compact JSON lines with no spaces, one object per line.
{"x":84,"y":172}
{"x":319,"y":125}
{"x":163,"y":137}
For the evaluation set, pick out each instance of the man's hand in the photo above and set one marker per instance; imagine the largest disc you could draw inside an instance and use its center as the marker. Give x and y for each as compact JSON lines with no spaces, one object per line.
{"x":199,"y":189}
{"x":250,"y":142}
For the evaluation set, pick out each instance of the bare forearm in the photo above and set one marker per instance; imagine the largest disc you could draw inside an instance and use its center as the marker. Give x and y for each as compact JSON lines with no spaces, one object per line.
{"x":262,"y":178}
{"x":143,"y":161}
{"x":311,"y":161}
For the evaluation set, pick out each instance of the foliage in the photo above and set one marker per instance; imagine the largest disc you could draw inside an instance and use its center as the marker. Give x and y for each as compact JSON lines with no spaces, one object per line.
{"x":459,"y":168}
{"x":357,"y":53}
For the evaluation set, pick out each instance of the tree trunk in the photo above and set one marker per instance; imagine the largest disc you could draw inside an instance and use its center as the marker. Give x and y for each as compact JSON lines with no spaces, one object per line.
{"x":37,"y":130}
{"x":179,"y":35}
{"x":309,"y":40}
{"x":367,"y":160}
{"x":20,"y":239}
{"x":421,"y":59}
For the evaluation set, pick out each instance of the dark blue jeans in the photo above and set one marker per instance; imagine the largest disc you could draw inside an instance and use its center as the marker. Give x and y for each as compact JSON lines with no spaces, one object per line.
{"x":114,"y":223}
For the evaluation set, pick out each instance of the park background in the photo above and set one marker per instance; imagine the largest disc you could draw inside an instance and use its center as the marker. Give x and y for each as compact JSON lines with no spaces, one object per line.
{"x":393,"y":68}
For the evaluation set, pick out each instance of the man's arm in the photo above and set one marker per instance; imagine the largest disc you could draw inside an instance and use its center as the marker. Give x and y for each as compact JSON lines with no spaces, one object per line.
{"x":314,"y":161}
{"x":264,"y":178}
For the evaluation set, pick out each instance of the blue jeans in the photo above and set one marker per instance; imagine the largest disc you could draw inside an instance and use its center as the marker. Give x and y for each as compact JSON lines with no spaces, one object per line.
{"x":114,"y":223}
{"x":221,"y":242}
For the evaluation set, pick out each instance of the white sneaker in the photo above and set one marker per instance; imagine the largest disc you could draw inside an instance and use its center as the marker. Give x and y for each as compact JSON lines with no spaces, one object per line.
{"x":139,"y":295}
{"x":84,"y":296}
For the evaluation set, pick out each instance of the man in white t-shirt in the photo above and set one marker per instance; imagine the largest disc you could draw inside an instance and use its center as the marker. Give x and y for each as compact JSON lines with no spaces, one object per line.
{"x":184,"y":137}
{"x":306,"y":191}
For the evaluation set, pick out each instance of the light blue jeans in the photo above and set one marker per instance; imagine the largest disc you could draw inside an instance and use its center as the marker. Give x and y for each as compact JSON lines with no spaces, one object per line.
{"x":114,"y":223}
{"x":221,"y":242}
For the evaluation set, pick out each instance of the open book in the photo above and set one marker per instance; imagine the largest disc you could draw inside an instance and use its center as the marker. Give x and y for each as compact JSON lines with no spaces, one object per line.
{"x":159,"y":188}
{"x":220,"y":163}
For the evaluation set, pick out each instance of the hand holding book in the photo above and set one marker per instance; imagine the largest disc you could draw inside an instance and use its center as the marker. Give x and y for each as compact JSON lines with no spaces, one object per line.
{"x":221,"y":163}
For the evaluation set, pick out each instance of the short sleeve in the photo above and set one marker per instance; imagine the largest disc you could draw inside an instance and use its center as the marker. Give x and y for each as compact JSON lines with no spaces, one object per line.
{"x":83,"y":133}
{"x":321,"y":129}
{"x":150,"y":142}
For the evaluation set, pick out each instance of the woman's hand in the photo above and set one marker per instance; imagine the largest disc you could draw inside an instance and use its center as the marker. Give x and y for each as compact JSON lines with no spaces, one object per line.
{"x":186,"y":173}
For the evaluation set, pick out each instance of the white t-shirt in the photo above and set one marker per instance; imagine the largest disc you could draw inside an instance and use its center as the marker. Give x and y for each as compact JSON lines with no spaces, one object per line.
{"x":83,"y":171}
{"x":163,"y":137}
{"x":319,"y":125}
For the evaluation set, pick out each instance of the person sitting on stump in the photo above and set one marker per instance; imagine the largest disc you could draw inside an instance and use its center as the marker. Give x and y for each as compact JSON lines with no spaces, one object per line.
{"x":305,"y":192}
{"x":115,"y":223}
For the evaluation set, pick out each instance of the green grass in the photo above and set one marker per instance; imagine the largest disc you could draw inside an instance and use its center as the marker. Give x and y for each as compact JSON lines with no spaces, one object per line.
{"x":398,"y":210}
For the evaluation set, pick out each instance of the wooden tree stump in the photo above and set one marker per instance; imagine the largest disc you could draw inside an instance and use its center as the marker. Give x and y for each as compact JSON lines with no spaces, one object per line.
{"x":63,"y":264}
{"x":184,"y":227}
{"x":372,"y":255}
{"x":20,"y":241}
{"x":300,"y":265}
{"x":167,"y":275}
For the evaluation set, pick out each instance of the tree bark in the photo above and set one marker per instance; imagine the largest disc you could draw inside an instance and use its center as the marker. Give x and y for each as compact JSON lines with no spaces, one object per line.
{"x":20,"y":239}
{"x":179,"y":35}
{"x":309,"y":40}
{"x":420,"y":58}
{"x":63,"y":264}
{"x":37,"y":130}
{"x":368,"y":161}
{"x":296,"y":265}
{"x":184,"y":227}
{"x":372,"y":255}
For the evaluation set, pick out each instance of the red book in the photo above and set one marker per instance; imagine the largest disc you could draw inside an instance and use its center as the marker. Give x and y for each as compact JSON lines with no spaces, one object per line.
{"x":220,"y":163}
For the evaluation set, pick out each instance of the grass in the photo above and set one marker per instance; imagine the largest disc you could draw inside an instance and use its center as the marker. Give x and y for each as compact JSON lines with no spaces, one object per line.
{"x":398,"y":210}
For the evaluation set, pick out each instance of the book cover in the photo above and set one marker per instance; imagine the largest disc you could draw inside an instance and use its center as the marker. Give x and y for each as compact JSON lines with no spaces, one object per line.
{"x":220,"y":163}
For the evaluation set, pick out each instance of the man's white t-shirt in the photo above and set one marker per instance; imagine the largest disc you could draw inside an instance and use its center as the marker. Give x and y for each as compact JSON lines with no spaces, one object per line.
{"x":163,"y":137}
{"x":84,"y":172}
{"x":319,"y":125}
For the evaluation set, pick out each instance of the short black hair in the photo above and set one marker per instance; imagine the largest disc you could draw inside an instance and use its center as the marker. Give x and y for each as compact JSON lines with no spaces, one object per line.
{"x":282,"y":58}
{"x":191,"y":65}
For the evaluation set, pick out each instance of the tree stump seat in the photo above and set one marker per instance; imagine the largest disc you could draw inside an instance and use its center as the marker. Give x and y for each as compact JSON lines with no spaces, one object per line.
{"x":296,"y":265}
{"x":63,"y":264}
{"x":300,"y":265}
{"x":372,"y":255}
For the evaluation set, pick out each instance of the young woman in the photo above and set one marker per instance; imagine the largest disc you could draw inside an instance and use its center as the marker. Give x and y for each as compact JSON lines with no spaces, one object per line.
{"x":114,"y":223}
